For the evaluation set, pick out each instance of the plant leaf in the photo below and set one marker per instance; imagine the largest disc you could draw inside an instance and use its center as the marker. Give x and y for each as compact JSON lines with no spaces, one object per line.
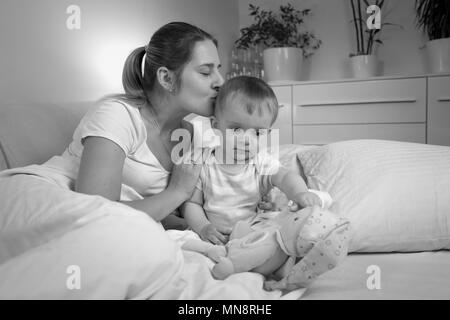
{"x":282,"y":28}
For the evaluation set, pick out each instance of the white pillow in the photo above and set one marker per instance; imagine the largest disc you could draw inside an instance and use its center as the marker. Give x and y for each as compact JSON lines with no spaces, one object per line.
{"x":395,"y":194}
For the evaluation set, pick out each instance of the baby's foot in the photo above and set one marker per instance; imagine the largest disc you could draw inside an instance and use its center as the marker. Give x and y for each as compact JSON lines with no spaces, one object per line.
{"x":216,"y":252}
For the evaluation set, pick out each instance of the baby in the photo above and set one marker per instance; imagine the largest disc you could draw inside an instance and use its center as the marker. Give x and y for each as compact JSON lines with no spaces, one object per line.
{"x":235,"y":176}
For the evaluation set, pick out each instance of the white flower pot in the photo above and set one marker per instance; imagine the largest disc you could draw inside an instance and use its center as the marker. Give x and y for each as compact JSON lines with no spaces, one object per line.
{"x":282,"y":64}
{"x":364,"y":66}
{"x":438,"y":55}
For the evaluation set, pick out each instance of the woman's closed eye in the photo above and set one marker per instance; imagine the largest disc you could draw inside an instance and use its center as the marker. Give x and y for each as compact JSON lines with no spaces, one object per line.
{"x":204,"y":70}
{"x":262,"y":132}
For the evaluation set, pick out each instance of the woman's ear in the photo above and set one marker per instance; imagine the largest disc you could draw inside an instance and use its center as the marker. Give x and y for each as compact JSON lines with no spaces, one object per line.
{"x":166,"y":78}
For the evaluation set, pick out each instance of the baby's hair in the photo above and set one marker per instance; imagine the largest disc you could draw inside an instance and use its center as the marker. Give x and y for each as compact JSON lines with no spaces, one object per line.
{"x":251,"y":93}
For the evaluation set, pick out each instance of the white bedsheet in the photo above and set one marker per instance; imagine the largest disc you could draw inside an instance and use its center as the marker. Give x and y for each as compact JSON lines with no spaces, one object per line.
{"x":246,"y":285}
{"x":120,"y":252}
{"x":419,"y":275}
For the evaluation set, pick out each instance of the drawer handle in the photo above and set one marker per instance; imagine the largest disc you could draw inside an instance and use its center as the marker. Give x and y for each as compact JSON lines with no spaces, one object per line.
{"x":337,"y":103}
{"x":444,"y":99}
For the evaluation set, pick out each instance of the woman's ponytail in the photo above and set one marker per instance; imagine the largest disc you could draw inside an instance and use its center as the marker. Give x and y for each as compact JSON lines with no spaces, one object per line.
{"x":171,"y":46}
{"x":132,"y":79}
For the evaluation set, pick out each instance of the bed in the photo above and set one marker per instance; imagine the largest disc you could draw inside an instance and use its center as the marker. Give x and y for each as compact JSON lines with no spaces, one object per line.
{"x":417,"y":276}
{"x":395,"y":195}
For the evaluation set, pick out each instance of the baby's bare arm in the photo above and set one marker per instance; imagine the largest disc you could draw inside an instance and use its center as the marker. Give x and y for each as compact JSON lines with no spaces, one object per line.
{"x":295,"y":188}
{"x":289,"y":182}
{"x":193,"y":213}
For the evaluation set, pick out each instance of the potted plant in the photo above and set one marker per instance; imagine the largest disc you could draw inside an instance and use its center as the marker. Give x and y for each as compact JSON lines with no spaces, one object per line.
{"x":433,"y":17}
{"x":364,"y":63}
{"x":284,"y":40}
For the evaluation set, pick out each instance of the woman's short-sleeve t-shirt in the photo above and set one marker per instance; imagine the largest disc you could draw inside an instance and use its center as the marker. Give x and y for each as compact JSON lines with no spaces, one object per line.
{"x":121,"y":122}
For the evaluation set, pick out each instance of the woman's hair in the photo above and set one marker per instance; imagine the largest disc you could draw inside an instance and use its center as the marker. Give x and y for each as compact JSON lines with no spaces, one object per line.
{"x":171,"y":46}
{"x":250,"y":93}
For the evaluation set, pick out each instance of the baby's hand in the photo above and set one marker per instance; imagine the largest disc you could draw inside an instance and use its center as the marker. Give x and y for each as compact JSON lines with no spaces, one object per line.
{"x":305,"y":199}
{"x":215,"y":235}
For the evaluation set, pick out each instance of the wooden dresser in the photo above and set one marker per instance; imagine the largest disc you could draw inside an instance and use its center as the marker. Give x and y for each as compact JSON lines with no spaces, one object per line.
{"x":414,"y":109}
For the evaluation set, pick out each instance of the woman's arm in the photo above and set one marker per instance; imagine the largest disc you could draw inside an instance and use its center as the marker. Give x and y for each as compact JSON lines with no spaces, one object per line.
{"x":160,"y":205}
{"x":100,"y":173}
{"x":101,"y":168}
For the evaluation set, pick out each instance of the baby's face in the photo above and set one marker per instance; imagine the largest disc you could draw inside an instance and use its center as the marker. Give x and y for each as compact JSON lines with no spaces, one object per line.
{"x":241,"y":131}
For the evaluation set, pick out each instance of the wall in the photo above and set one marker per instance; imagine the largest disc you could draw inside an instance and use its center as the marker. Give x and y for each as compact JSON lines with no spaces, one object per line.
{"x":330,"y":22}
{"x":41,"y":60}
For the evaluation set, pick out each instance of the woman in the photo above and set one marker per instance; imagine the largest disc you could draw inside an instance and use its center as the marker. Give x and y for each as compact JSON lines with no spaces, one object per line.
{"x":180,"y":76}
{"x":61,"y":236}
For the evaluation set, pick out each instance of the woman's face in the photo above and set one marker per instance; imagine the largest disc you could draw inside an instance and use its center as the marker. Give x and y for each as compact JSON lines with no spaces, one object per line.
{"x":200,"y":80}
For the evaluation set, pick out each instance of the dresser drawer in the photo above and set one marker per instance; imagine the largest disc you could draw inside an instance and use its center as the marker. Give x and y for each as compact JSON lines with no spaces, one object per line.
{"x":284,"y":120}
{"x":324,"y":134}
{"x":439,"y":111}
{"x":374,"y":101}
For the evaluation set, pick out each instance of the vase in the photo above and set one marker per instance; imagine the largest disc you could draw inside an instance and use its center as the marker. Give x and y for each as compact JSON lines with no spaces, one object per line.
{"x":438,"y":55}
{"x":282,"y":64}
{"x":364,"y":66}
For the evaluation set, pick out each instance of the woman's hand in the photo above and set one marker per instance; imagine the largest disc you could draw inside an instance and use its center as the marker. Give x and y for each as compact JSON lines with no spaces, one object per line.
{"x":184,"y":175}
{"x":215,"y":235}
{"x":184,"y":178}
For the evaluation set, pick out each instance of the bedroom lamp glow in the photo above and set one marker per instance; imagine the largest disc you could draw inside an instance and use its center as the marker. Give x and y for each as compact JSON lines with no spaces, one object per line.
{"x":107,"y":61}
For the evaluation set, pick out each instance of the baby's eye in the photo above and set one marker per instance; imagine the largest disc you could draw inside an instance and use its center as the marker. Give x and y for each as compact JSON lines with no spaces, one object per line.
{"x":238,"y":130}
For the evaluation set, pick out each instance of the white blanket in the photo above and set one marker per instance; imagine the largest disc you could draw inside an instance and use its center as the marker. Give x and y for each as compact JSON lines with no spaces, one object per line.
{"x":65,"y":245}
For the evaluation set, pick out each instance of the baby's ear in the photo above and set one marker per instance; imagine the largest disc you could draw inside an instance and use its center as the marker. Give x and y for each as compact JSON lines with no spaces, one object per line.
{"x":185,"y":124}
{"x":214,"y":122}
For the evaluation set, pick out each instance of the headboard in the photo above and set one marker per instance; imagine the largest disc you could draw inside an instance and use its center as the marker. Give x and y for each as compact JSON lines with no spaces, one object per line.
{"x":33,"y":133}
